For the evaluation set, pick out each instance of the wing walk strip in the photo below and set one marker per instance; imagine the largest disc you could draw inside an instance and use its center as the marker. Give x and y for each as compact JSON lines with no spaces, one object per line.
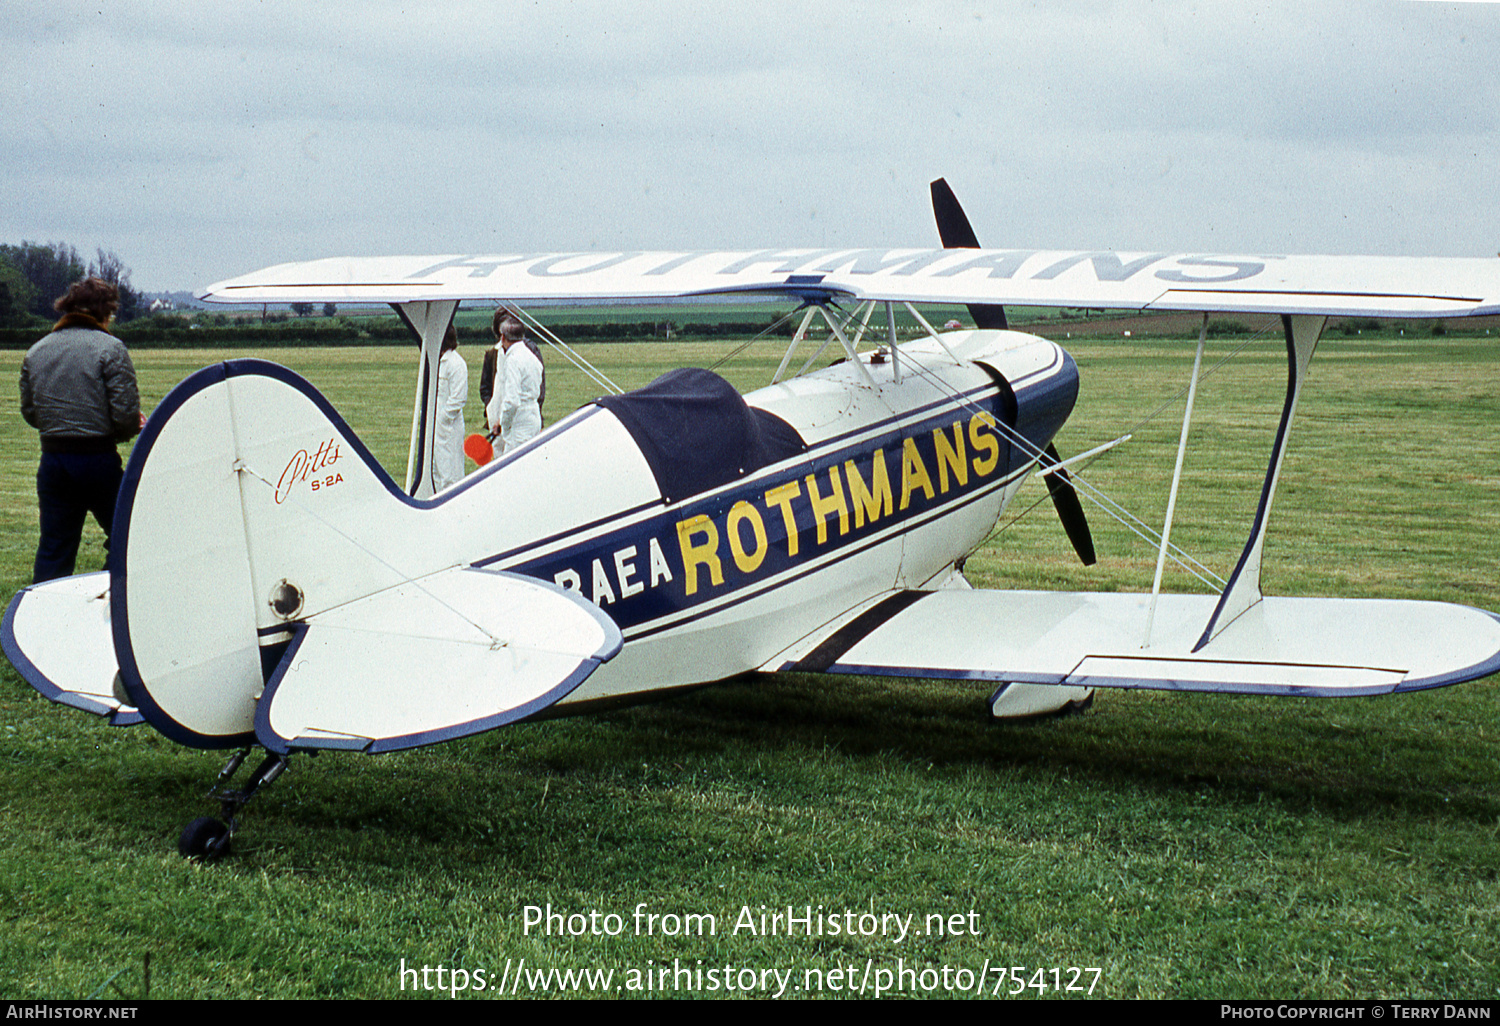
{"x":820,"y":659}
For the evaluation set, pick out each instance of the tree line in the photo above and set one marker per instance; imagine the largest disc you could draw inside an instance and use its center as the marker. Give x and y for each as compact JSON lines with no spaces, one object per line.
{"x":34,"y":274}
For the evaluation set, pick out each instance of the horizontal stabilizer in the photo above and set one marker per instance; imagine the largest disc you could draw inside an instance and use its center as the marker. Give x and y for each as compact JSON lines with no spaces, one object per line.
{"x":57,"y":635}
{"x":1280,"y":646}
{"x":452,"y":654}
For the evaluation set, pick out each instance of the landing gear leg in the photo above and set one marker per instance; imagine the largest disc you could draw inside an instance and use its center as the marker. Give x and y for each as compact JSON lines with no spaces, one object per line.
{"x":207,"y":838}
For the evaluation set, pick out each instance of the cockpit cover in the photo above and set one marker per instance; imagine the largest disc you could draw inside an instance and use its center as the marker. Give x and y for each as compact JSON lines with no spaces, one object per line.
{"x":698,"y":433}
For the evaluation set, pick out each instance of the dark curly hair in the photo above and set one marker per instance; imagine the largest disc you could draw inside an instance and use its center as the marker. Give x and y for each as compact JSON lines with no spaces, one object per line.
{"x":93,"y":296}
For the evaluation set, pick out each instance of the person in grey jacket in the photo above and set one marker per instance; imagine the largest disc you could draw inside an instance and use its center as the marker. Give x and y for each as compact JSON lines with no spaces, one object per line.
{"x":78,"y":390}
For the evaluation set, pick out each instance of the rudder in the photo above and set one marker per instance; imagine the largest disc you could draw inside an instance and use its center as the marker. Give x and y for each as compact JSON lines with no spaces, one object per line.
{"x":247,"y":503}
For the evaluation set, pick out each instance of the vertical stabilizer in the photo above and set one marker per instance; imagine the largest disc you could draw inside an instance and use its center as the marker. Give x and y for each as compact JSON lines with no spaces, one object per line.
{"x":247,"y":504}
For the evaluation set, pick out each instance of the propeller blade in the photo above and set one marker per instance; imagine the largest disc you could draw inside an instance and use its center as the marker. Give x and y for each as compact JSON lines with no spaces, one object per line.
{"x":1069,"y":509}
{"x":953,"y":224}
{"x":956,"y":233}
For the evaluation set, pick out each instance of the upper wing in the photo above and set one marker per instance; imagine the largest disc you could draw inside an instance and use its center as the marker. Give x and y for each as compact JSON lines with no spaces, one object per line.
{"x":1332,"y":285}
{"x":1281,"y":646}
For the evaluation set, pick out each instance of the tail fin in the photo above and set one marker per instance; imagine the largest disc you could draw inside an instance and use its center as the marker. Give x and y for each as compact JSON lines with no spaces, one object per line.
{"x":241,"y":475}
{"x":249,"y":509}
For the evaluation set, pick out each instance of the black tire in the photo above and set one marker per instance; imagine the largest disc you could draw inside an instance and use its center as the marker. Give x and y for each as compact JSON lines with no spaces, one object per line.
{"x":204,"y":838}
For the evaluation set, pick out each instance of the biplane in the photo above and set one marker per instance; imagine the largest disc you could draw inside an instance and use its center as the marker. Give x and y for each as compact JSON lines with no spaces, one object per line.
{"x":271,"y":586}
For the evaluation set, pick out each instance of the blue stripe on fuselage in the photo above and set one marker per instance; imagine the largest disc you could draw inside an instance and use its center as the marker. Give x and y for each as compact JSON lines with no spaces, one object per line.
{"x":830,"y":502}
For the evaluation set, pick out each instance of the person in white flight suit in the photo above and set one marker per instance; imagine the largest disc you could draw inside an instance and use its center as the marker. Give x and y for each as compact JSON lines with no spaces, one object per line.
{"x":452,"y":394}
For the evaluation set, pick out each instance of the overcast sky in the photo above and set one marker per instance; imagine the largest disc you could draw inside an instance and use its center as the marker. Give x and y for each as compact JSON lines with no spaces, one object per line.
{"x":204,"y":140}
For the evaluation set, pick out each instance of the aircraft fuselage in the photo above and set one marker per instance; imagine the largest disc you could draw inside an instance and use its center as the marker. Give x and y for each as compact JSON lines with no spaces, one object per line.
{"x":898,"y":482}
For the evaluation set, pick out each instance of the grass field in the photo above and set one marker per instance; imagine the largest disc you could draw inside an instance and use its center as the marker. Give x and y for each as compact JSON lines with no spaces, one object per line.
{"x":1185,"y":845}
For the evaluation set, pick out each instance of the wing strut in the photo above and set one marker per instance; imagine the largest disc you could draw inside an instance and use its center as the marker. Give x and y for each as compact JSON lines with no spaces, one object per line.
{"x":813,"y":309}
{"x":429,"y":321}
{"x":1243,"y":590}
{"x":890,"y":326}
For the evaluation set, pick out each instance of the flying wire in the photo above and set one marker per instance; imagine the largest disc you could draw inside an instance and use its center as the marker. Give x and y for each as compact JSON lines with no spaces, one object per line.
{"x":737,"y":350}
{"x":1096,"y":495}
{"x":1135,"y":428}
{"x":495,"y":641}
{"x":593,"y":373}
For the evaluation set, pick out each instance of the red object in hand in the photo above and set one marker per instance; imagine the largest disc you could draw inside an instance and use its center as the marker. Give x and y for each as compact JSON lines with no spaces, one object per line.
{"x":478,"y":448}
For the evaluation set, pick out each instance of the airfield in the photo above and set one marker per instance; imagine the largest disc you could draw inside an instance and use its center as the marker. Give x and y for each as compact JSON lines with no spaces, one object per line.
{"x":1185,"y":846}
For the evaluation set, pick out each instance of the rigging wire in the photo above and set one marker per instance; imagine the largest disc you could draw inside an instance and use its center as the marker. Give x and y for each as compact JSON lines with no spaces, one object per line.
{"x":1110,"y":506}
{"x":1181,"y":392}
{"x":1114,"y":509}
{"x":737,"y":350}
{"x":405,"y":578}
{"x":1170,"y":401}
{"x":593,"y":373}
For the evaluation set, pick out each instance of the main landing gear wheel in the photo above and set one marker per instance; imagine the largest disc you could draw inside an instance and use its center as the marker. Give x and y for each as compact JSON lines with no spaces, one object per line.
{"x":204,"y":838}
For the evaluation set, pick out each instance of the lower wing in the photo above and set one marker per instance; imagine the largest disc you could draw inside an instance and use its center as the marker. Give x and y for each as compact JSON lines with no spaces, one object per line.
{"x":1280,"y":646}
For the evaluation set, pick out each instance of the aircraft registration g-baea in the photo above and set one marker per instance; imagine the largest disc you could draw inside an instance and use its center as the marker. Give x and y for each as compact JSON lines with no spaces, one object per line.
{"x":270,"y":585}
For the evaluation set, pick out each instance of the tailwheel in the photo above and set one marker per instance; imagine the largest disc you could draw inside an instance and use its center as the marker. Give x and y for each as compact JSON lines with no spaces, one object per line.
{"x":207,"y":838}
{"x":204,"y":838}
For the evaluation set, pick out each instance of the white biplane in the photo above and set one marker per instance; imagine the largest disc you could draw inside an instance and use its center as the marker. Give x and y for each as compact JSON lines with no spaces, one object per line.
{"x":270,"y":585}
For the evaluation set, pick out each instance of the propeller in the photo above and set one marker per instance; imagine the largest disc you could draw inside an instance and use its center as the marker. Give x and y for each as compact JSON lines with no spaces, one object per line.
{"x":956,"y":232}
{"x":1069,"y":509}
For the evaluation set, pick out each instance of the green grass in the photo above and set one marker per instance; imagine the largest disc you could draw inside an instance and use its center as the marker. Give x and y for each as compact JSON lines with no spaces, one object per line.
{"x":1188,"y":845}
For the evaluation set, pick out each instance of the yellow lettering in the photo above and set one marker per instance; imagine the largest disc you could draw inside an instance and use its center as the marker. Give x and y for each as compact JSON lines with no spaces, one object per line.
{"x":981,"y":437}
{"x":782,"y":496}
{"x":874,"y":502}
{"x":706,"y":553}
{"x":913,"y":472}
{"x":950,"y":456}
{"x":821,"y":507}
{"x":748,"y":562}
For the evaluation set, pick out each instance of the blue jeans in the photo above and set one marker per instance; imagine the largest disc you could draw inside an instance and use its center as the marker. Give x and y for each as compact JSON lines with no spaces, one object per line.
{"x":69,"y":486}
